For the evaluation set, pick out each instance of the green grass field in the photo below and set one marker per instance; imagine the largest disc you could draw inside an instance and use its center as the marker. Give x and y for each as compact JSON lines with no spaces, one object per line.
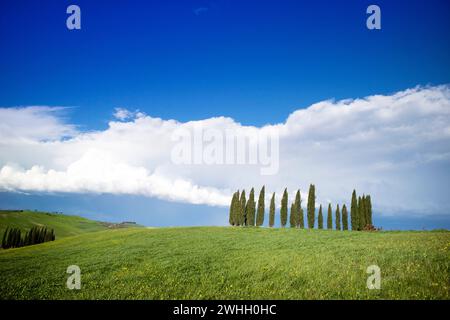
{"x":230,"y":263}
{"x":63,"y":225}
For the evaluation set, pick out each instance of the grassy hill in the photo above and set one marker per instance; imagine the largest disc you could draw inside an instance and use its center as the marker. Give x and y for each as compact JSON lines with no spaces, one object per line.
{"x":63,"y":225}
{"x":230,"y":263}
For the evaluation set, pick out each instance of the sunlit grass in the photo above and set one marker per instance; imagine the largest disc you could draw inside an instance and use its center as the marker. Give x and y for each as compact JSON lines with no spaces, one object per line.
{"x":231,"y":263}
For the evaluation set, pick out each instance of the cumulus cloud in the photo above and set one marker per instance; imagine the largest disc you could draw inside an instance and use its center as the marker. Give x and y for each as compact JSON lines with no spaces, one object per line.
{"x":395,"y":147}
{"x":33,"y":123}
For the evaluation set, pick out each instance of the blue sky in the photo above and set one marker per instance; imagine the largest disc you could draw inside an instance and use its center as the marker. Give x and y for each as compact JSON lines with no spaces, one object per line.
{"x":253,"y":61}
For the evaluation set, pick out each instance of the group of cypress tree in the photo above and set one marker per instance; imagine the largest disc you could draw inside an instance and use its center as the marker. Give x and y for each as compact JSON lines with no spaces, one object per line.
{"x":242,"y":212}
{"x":246,"y":213}
{"x":12,"y":238}
{"x":361,"y":212}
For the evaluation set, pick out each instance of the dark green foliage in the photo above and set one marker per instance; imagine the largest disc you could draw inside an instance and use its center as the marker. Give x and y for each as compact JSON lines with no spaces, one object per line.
{"x":4,"y":237}
{"x":361,"y":213}
{"x":329,"y":218}
{"x":344,"y":218}
{"x":354,"y":216}
{"x":293,"y":216}
{"x":232,"y":214}
{"x":283,"y":210}
{"x":272,"y":211}
{"x":320,"y":218}
{"x":242,"y":205}
{"x":260,"y":212}
{"x":12,"y":238}
{"x":365,"y":212}
{"x":301,"y":223}
{"x":237,"y":210}
{"x":298,"y":210}
{"x":338,"y":218}
{"x":250,"y":209}
{"x":311,"y":206}
{"x":369,"y":210}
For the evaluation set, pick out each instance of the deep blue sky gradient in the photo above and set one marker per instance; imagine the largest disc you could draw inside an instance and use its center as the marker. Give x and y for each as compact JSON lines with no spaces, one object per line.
{"x":255,"y":61}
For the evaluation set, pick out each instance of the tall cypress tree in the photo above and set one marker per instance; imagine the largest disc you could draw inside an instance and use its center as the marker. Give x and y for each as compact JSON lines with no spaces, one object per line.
{"x":251,"y":207}
{"x":369,"y":210}
{"x":354,"y":212}
{"x":329,"y":218}
{"x":260,"y":212}
{"x":298,"y":209}
{"x":242,"y":205}
{"x":272,"y":211}
{"x":302,"y":219}
{"x":311,"y":206}
{"x":344,"y":218}
{"x":320,"y":218}
{"x":338,"y":218}
{"x":361,"y":213}
{"x":283,"y":210}
{"x":293,"y":216}
{"x":232,"y":208}
{"x":237,"y":209}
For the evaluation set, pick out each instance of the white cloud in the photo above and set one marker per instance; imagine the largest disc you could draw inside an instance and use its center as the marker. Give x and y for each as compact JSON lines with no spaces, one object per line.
{"x":33,"y":123}
{"x":123,"y":114}
{"x":395,"y":147}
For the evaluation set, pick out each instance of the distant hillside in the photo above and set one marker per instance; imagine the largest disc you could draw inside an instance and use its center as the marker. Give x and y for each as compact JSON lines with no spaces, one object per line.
{"x":64,"y":225}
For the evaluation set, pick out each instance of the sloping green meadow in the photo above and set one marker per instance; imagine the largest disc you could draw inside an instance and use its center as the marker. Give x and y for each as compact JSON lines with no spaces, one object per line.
{"x":231,"y":263}
{"x":63,"y":225}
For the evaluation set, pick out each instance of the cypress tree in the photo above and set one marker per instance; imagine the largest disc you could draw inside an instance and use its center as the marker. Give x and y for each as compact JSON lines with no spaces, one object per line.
{"x":320,"y":218}
{"x":9,"y":238}
{"x":34,"y":235}
{"x":298,"y":209}
{"x":338,"y":218}
{"x":242,"y":205}
{"x":369,"y":210}
{"x":302,"y":219}
{"x":232,"y":210}
{"x":329,"y":218}
{"x":293,"y":216}
{"x":14,"y":238}
{"x":272,"y":211}
{"x":283,"y":210}
{"x":260,"y":213}
{"x":344,"y":218}
{"x":251,"y":207}
{"x":366,"y":212}
{"x":311,"y":206}
{"x":26,"y":240}
{"x":361,"y":213}
{"x":5,"y":234}
{"x":354,"y":212}
{"x":237,"y":209}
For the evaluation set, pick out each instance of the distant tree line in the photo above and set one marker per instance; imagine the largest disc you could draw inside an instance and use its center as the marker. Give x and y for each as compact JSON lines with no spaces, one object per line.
{"x":12,"y":238}
{"x":245,"y":212}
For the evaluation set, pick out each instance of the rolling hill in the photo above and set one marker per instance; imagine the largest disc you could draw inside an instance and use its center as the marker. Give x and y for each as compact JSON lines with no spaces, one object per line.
{"x":64,"y":225}
{"x":230,"y":263}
